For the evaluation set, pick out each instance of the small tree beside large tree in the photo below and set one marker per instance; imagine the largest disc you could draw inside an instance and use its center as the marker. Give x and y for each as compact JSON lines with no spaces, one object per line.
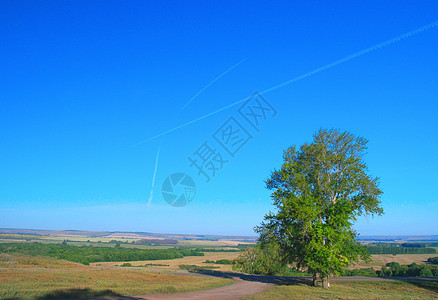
{"x":319,"y":192}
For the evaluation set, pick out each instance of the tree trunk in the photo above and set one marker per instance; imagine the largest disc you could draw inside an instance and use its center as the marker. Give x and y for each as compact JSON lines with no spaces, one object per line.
{"x":325,"y":282}
{"x":314,"y":279}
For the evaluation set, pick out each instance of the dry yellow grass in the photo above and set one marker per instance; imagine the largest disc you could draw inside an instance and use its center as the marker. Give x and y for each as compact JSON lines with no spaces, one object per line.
{"x":25,"y":276}
{"x":377,"y":261}
{"x":188,"y":260}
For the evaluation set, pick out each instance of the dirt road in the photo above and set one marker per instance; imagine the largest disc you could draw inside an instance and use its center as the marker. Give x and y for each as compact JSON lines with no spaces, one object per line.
{"x":237,"y":290}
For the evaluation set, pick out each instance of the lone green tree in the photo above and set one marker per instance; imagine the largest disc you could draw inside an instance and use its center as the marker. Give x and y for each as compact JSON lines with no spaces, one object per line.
{"x":319,"y":192}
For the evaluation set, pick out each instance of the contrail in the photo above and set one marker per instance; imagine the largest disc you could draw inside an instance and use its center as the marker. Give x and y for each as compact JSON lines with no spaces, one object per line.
{"x":191,"y":99}
{"x":155,"y":173}
{"x":179,"y":112}
{"x":318,"y":70}
{"x":193,"y":121}
{"x":209,"y":84}
{"x":355,"y":55}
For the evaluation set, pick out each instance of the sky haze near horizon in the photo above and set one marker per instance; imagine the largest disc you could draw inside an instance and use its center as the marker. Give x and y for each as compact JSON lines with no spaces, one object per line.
{"x":82,"y":83}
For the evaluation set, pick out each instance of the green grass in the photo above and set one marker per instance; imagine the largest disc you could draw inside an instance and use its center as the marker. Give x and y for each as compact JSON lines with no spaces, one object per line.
{"x":354,"y":290}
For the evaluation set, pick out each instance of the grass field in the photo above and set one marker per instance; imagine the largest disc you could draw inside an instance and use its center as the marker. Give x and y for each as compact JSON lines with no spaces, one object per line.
{"x":354,"y":290}
{"x":189,"y":260}
{"x":105,"y":241}
{"x":380,"y":260}
{"x":25,"y":276}
{"x":377,"y":262}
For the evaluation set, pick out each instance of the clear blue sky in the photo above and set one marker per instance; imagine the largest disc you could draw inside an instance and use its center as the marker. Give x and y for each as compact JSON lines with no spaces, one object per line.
{"x":81,"y":82}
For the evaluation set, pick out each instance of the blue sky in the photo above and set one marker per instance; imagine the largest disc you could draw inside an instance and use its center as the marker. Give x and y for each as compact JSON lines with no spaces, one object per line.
{"x":82,"y":82}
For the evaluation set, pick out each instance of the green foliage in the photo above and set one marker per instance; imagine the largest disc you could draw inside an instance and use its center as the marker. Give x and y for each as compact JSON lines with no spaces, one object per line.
{"x":215,"y":250}
{"x":294,"y":272}
{"x":319,"y":192}
{"x":196,"y":268}
{"x":413,"y":245}
{"x":244,"y":246}
{"x":394,"y":269}
{"x":368,"y":272}
{"x":219,"y":262}
{"x":263,"y":259}
{"x":433,"y":260}
{"x":90,"y":254}
{"x":156,"y":242}
{"x":126,"y":265}
{"x":224,"y":262}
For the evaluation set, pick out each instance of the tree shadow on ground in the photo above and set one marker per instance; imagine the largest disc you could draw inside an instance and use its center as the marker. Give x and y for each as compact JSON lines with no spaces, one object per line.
{"x":278,"y":280}
{"x":431,"y":285}
{"x":78,"y":294}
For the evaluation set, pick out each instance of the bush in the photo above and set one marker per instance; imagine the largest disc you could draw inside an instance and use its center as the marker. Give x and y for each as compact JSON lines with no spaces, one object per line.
{"x":126,"y":265}
{"x":368,"y":272}
{"x":426,"y":273}
{"x":394,"y":269}
{"x":433,"y":260}
{"x":261,"y":260}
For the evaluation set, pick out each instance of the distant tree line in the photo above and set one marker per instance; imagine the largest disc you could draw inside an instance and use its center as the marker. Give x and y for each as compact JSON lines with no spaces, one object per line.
{"x":390,"y":249}
{"x":89,"y":254}
{"x":156,"y":242}
{"x":216,"y":250}
{"x":414,"y":245}
{"x":244,"y":246}
{"x":219,"y":262}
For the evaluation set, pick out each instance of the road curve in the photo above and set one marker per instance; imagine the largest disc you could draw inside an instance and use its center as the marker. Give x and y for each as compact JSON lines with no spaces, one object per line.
{"x":237,"y":290}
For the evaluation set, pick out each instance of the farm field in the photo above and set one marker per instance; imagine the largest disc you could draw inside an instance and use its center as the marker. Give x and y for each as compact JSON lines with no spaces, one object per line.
{"x":126,"y":240}
{"x":380,"y":260}
{"x":26,"y":276}
{"x":377,"y":262}
{"x":172,"y":264}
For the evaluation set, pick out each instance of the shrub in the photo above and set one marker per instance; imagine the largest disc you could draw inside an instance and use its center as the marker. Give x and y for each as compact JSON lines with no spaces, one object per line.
{"x":413,"y":270}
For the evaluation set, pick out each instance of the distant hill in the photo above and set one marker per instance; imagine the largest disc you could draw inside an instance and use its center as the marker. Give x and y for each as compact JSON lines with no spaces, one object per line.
{"x":399,"y":238}
{"x":194,"y":237}
{"x":119,"y":234}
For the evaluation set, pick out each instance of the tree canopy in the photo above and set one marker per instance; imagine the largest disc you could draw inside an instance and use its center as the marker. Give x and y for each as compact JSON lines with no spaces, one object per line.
{"x":319,"y":192}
